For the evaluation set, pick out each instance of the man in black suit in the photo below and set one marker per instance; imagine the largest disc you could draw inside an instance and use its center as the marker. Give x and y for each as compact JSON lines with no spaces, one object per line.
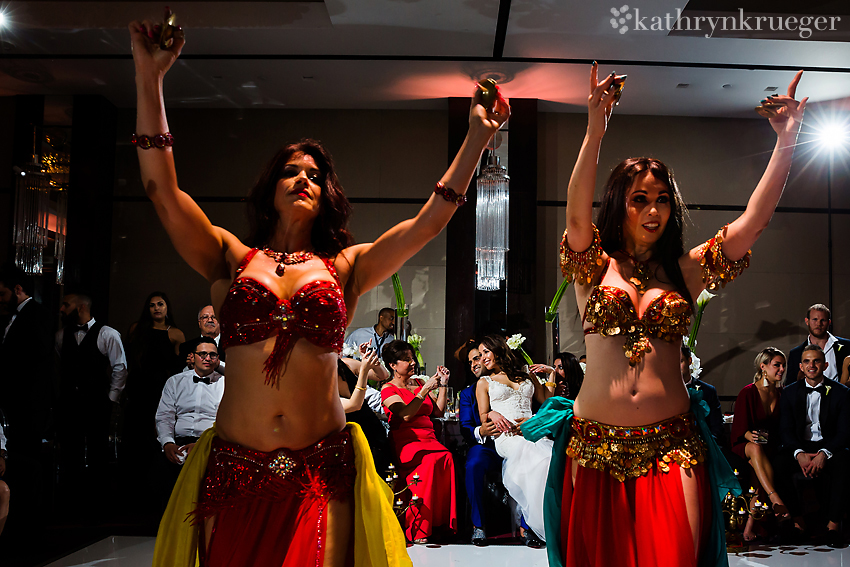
{"x":815,"y":432}
{"x":835,"y":348}
{"x":709,"y":395}
{"x":26,"y":365}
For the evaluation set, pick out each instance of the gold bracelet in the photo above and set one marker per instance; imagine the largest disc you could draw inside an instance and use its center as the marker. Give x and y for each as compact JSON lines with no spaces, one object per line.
{"x":549,"y":384}
{"x":421,"y":397}
{"x":360,"y":388}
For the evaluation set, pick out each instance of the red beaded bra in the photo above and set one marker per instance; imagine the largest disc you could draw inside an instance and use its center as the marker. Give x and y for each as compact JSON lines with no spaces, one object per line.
{"x":251,"y":312}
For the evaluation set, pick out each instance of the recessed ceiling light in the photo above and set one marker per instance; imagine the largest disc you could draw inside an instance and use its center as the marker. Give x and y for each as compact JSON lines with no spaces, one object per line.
{"x":727,"y":86}
{"x":683,"y":85}
{"x":771,"y":89}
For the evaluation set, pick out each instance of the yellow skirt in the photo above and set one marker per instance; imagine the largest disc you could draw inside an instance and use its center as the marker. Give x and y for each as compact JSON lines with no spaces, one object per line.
{"x":378,"y":538}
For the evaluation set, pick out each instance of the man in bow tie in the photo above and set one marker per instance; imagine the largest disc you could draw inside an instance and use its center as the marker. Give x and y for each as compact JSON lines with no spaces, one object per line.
{"x":187,"y":408}
{"x":815,"y":433}
{"x":93,"y":372}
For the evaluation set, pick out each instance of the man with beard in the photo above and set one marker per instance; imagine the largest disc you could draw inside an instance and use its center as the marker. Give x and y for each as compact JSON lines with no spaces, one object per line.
{"x":25,"y":394}
{"x":481,"y":457}
{"x":93,"y":372}
{"x":210,"y":328}
{"x":834,"y":348}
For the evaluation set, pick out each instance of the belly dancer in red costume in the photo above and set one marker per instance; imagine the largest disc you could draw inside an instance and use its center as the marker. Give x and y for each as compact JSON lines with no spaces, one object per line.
{"x":634,"y":486}
{"x":274,"y":483}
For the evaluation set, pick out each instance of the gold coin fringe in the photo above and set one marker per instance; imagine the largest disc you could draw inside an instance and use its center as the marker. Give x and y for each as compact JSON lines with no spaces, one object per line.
{"x":717,"y":269}
{"x":630,"y":452}
{"x":581,"y":265}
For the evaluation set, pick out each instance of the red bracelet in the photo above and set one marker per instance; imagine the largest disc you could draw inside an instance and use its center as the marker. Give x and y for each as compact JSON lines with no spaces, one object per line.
{"x":449,"y":194}
{"x":146,"y":142}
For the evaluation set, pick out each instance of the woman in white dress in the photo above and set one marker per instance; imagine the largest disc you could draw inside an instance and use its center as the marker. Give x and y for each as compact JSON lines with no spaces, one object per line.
{"x":504,"y":397}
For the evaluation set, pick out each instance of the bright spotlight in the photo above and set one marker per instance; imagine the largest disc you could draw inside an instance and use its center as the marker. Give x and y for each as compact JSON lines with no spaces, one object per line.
{"x":832,"y":135}
{"x":2,"y":20}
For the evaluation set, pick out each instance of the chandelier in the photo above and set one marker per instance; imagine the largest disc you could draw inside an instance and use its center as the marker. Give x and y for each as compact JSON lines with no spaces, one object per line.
{"x":32,"y":208}
{"x":491,"y":224}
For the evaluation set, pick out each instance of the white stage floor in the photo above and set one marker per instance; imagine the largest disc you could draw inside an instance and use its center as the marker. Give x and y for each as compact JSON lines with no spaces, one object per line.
{"x":123,"y":551}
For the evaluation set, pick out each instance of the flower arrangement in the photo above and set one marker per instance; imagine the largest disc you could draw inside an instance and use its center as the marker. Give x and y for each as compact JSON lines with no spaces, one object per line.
{"x":552,"y":312}
{"x":415,"y":341}
{"x":515,"y":343}
{"x":349,"y":351}
{"x":702,"y":301}
{"x":400,"y":306}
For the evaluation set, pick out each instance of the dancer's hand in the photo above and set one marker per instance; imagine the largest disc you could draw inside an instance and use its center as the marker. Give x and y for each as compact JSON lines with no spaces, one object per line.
{"x":150,"y":59}
{"x":502,"y":423}
{"x":789,"y":116}
{"x":600,"y":103}
{"x":486,"y":122}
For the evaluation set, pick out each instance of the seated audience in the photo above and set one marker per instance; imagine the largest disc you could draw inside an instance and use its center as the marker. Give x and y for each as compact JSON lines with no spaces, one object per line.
{"x":188,"y":407}
{"x":818,"y":320}
{"x":755,"y":429}
{"x":410,"y":405}
{"x":379,"y":334}
{"x":353,"y":375}
{"x":814,"y":420}
{"x":504,"y":396}
{"x":691,"y":379}
{"x":481,"y":457}
{"x":209,"y":327}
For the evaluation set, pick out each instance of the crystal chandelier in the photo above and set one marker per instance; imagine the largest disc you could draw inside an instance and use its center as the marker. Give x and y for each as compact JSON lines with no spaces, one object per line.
{"x":491,"y":225}
{"x":31,"y":216}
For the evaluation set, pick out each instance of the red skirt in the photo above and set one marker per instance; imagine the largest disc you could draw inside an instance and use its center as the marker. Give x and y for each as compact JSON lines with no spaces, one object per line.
{"x":270,"y":509}
{"x":639,"y":519}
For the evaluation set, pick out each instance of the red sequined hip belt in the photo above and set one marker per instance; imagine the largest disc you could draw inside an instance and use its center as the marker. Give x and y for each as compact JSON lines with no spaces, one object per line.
{"x":236,"y":475}
{"x":630,"y":451}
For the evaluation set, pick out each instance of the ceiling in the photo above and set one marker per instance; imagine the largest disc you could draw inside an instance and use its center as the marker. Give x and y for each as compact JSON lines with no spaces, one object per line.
{"x":412,"y":54}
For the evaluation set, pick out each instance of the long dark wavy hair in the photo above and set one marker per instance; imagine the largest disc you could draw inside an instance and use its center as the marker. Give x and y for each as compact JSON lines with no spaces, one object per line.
{"x":505,"y":358}
{"x":670,"y":247}
{"x":330,"y":230}
{"x":139,"y":339}
{"x":573,"y":373}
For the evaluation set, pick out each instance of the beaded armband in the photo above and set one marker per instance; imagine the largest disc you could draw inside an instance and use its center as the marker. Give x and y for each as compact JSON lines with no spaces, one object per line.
{"x":580,"y":265}
{"x":717,"y":269}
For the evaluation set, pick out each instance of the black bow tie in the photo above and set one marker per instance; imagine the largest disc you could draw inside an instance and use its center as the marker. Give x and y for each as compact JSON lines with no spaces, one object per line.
{"x":820,"y":389}
{"x":205,"y":380}
{"x":83,"y":328}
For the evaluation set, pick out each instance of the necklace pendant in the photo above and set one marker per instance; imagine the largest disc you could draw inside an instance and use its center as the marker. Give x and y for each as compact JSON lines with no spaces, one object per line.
{"x":279,"y":270}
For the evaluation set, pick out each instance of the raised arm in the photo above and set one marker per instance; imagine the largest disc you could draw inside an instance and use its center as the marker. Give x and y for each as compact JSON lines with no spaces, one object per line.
{"x":743,"y":231}
{"x":583,"y":179}
{"x":375,"y":262}
{"x":355,"y":402}
{"x":201,"y":244}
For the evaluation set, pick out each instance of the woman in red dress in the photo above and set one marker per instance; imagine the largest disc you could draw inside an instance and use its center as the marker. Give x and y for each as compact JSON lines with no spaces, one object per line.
{"x":757,"y":410}
{"x":410,"y":405}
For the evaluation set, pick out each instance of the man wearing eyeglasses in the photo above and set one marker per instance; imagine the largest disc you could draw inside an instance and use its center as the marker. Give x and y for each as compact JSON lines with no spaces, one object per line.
{"x":209,"y":327}
{"x":188,"y":405}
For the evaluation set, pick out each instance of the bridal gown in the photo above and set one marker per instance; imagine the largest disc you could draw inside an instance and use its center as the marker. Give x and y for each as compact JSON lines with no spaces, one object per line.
{"x":525,"y":464}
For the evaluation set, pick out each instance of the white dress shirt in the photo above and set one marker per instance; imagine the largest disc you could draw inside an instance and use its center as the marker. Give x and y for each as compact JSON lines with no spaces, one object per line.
{"x":187,"y":408}
{"x":109,"y":344}
{"x":832,"y":371}
{"x":812,"y":430}
{"x":15,"y":316}
{"x":2,"y":438}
